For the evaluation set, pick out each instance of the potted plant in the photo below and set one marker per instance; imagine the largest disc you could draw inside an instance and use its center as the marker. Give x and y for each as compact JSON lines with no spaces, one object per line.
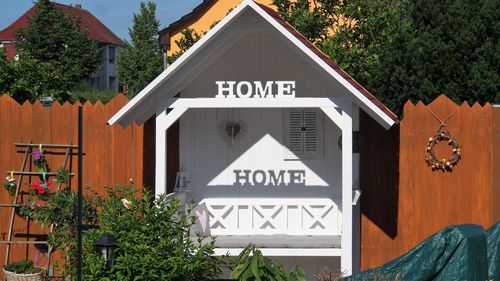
{"x":39,"y":161}
{"x":23,"y":271}
{"x":10,"y":184}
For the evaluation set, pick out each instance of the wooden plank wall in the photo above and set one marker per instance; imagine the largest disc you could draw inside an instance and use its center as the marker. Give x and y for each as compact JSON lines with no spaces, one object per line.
{"x":112,"y":155}
{"x":401,"y":211}
{"x":496,"y":163}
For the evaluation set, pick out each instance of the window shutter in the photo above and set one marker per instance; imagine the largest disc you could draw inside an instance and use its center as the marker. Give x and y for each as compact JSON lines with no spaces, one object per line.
{"x":303,"y":134}
{"x":296,"y":135}
{"x":311,"y":133}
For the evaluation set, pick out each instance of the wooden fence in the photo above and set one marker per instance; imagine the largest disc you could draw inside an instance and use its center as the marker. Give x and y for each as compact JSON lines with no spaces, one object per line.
{"x":112,"y":155}
{"x":403,"y":200}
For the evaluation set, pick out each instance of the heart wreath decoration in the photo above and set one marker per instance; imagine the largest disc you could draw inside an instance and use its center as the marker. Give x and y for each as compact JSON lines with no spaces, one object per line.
{"x":442,"y":134}
{"x":232,"y":131}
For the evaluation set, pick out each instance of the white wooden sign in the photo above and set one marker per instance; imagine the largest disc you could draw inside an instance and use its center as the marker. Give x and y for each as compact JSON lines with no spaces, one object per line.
{"x":269,"y":177}
{"x":255,"y":89}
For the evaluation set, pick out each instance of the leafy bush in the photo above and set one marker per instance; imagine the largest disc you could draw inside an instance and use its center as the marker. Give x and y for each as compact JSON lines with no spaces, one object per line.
{"x":59,"y":210}
{"x":22,"y":267}
{"x":258,"y":267}
{"x":154,"y":241}
{"x":84,"y":94}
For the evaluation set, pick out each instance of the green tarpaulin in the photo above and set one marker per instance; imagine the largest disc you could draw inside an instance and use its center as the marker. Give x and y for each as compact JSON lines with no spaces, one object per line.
{"x":454,"y":253}
{"x":493,"y":237}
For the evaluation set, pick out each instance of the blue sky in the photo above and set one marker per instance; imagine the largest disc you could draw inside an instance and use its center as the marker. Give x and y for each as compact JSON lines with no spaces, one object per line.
{"x":115,"y":14}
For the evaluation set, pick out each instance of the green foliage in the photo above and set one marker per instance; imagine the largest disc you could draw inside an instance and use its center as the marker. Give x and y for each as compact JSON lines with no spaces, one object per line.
{"x":84,"y":94}
{"x":7,"y":72}
{"x":63,"y":176}
{"x":59,"y":210}
{"x":311,"y":18}
{"x":252,"y":265}
{"x":10,"y":184}
{"x":54,"y":55}
{"x":447,"y":47}
{"x":154,"y":242}
{"x":22,"y":267}
{"x":358,"y":47}
{"x":141,"y":60}
{"x":189,"y":37}
{"x":402,"y":50}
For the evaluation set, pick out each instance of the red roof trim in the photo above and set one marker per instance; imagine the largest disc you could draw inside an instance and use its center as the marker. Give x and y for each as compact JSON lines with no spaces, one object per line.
{"x":97,"y":30}
{"x":10,"y":49}
{"x":328,"y":61}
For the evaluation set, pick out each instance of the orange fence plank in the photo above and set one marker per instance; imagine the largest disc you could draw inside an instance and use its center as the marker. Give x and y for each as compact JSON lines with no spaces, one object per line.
{"x":108,"y":152}
{"x":398,"y":217}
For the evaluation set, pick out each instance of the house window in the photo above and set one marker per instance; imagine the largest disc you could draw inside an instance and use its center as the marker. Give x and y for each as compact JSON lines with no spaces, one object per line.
{"x":112,"y":54}
{"x":303,"y":134}
{"x":94,"y":82}
{"x":112,"y":82}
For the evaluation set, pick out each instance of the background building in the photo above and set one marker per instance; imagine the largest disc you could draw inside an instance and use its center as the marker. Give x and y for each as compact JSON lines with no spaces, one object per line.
{"x":105,"y":77}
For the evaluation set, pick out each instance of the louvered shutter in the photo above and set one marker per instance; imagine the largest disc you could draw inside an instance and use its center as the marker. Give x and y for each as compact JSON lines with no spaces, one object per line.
{"x":311,"y":132}
{"x":296,"y":135}
{"x":303,"y":134}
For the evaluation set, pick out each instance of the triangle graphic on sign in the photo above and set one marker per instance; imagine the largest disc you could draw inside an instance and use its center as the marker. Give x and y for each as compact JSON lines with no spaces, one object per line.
{"x":260,"y":165}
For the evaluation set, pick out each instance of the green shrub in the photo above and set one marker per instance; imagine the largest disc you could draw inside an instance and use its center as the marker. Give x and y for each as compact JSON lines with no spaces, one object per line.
{"x":83,"y":94}
{"x":22,"y":267}
{"x":154,"y":241}
{"x":257,"y":267}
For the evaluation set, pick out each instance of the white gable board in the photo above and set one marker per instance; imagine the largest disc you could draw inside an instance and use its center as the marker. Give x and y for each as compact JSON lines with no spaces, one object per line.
{"x":210,"y":49}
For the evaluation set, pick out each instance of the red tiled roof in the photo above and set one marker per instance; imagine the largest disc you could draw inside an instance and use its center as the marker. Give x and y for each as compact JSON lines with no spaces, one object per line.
{"x":328,"y":61}
{"x":11,"y":50}
{"x":97,"y":30}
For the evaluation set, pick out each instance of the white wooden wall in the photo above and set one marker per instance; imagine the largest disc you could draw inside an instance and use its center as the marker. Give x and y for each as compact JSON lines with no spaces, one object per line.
{"x":212,"y":158}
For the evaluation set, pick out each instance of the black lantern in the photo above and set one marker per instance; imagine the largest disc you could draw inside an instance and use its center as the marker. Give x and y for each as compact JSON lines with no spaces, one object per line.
{"x":47,"y":101}
{"x":106,"y":247}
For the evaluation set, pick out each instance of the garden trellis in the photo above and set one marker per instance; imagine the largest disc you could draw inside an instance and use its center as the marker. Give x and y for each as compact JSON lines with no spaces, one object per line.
{"x":26,"y":172}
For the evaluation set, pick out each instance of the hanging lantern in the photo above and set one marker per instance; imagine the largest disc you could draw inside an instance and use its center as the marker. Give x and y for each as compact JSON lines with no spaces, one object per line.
{"x":106,"y":247}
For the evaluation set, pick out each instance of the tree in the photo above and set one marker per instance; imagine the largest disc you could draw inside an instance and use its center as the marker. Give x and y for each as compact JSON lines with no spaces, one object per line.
{"x":141,"y":60}
{"x":55,"y":50}
{"x":311,"y":18}
{"x":6,"y":72}
{"x":415,"y":50}
{"x":189,"y":37}
{"x":449,"y":47}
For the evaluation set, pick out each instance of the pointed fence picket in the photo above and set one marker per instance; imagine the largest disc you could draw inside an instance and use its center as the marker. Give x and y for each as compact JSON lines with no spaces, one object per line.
{"x":112,"y":155}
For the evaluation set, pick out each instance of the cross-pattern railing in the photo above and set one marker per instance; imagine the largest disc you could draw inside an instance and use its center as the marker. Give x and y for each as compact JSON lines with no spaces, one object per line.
{"x":257,"y":216}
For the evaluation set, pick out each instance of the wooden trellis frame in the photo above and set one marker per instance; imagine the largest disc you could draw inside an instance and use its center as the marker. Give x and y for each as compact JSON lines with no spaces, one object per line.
{"x":15,"y":203}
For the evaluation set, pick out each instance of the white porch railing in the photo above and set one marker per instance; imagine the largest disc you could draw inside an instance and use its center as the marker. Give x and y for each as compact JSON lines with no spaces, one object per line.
{"x":268,"y":216}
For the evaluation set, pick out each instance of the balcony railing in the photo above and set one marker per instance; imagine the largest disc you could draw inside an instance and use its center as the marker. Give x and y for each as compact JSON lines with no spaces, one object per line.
{"x":270,"y":216}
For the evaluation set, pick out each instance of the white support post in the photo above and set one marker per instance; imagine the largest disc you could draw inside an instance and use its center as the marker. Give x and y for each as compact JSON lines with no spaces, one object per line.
{"x":346,"y":261}
{"x":356,"y":215}
{"x":161,"y":153}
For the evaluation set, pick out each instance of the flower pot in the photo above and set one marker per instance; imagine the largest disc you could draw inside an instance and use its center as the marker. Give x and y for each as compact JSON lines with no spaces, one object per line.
{"x":41,"y":167}
{"x":12,"y":276}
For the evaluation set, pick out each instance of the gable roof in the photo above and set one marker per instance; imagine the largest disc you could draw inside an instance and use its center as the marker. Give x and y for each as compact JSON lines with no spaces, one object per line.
{"x":97,"y":30}
{"x":132,"y":111}
{"x":329,"y":62}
